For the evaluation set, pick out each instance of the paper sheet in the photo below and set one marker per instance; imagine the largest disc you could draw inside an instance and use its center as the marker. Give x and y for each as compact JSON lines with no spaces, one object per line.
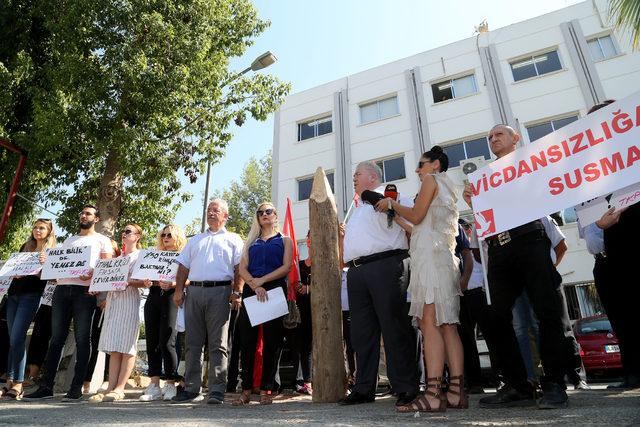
{"x":261,"y":312}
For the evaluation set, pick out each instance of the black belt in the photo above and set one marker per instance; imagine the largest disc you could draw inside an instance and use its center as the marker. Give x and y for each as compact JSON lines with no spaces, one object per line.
{"x":375,"y":257}
{"x":505,"y":237}
{"x":208,"y":284}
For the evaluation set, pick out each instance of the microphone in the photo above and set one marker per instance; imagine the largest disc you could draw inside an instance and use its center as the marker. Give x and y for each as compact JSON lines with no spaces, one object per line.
{"x":391,"y":191}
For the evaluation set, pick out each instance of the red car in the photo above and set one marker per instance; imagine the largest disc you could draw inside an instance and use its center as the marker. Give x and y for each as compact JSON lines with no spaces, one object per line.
{"x":599,"y":347}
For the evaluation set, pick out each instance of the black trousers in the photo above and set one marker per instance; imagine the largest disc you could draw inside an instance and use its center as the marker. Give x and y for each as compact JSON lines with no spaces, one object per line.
{"x":350,"y":359}
{"x":40,"y":337}
{"x":301,"y":340}
{"x":525,"y":263}
{"x":160,"y":329}
{"x":233,"y":344}
{"x":377,"y":306}
{"x":473,"y":313}
{"x":96,"y":329}
{"x":272,"y":338}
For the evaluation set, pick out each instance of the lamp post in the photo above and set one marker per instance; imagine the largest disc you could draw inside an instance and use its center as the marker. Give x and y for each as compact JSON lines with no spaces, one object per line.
{"x":262,"y":61}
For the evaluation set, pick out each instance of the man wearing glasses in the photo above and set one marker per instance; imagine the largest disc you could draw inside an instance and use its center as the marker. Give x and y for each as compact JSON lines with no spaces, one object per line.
{"x":210,"y":262}
{"x":71,"y":300}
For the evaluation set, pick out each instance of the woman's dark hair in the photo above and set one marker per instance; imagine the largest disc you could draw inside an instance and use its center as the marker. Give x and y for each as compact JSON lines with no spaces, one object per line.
{"x":437,"y":153}
{"x":601,"y":105}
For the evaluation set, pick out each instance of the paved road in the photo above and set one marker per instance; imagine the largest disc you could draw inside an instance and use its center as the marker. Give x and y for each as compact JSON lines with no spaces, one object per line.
{"x":597,"y":407}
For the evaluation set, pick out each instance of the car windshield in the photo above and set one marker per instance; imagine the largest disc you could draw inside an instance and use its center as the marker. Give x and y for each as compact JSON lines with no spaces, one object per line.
{"x":594,"y":326}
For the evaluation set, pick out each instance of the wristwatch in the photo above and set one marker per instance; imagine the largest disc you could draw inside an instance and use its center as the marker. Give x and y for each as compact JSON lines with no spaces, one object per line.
{"x":236,"y":293}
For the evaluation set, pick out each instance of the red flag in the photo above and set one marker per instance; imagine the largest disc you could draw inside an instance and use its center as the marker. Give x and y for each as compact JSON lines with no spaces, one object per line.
{"x":294,"y":274}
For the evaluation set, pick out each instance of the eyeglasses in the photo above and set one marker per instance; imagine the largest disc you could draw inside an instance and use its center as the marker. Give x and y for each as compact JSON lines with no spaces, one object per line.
{"x":128,"y":231}
{"x":167,"y":235}
{"x":261,"y":212}
{"x":43,"y":220}
{"x":421,"y":163}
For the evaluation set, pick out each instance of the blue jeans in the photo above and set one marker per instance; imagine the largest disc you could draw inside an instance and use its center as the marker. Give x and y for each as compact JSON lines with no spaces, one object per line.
{"x":523,"y":320}
{"x":70,"y":302}
{"x":21,"y":309}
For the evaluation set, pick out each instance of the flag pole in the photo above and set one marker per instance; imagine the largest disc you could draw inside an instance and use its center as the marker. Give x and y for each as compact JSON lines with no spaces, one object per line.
{"x":346,"y":217}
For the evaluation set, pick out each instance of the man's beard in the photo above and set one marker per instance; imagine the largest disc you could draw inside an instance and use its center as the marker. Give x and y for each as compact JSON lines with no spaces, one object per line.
{"x":85,"y":225}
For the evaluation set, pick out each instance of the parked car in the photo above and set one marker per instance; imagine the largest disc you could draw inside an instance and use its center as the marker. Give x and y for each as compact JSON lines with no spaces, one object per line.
{"x":599,"y":346}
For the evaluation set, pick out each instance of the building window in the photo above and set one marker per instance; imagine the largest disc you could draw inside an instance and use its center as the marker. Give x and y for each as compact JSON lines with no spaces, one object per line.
{"x":466,"y":150}
{"x":454,"y":88}
{"x":602,"y":48}
{"x":392,"y":169}
{"x":535,"y":65}
{"x":378,"y":110}
{"x":305,"y":184}
{"x":539,"y":130}
{"x":313,"y":128}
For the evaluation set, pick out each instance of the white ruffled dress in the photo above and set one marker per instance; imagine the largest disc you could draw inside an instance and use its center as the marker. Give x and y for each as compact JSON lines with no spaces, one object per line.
{"x":435,"y":273}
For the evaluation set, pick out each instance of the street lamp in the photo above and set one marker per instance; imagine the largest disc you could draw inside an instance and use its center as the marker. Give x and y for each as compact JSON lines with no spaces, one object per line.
{"x":262,"y":61}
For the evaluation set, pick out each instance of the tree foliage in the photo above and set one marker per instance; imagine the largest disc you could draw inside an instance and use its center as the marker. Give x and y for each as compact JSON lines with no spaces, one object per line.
{"x":114,"y":99}
{"x":626,"y":16}
{"x":244,"y":195}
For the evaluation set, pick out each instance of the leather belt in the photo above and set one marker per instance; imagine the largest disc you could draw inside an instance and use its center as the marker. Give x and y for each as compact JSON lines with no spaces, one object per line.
{"x":505,"y":237}
{"x":209,"y":284}
{"x":375,"y":257}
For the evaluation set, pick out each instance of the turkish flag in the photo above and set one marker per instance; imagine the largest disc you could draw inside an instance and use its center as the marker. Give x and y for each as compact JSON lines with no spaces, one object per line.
{"x":294,"y":274}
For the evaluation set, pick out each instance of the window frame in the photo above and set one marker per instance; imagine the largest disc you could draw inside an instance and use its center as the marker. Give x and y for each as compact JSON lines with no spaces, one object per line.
{"x":530,"y":57}
{"x":387,"y":158}
{"x":314,"y":119}
{"x":310,"y":177}
{"x":551,"y":119}
{"x":599,"y":36}
{"x":450,"y":80}
{"x":377,"y":101}
{"x":463,"y":141}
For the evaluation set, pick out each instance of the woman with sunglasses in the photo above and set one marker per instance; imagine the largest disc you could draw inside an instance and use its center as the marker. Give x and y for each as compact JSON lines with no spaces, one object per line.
{"x":121,"y":324}
{"x":160,"y":325}
{"x":265,"y":263}
{"x":22,"y":305}
{"x":435,"y":281}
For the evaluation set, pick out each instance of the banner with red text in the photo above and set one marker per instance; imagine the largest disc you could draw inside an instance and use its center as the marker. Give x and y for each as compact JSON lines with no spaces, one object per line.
{"x":593,"y":156}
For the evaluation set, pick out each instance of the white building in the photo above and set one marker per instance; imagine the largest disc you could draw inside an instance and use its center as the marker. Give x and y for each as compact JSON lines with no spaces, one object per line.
{"x":536,"y":75}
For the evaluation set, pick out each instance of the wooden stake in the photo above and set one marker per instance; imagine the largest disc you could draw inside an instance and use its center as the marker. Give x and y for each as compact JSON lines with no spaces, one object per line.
{"x":329,"y":376}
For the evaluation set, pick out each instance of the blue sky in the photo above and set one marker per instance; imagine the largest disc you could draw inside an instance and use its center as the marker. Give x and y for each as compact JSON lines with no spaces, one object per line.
{"x":320,"y":41}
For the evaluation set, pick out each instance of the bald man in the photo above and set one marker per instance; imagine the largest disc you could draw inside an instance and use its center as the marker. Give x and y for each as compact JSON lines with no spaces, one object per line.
{"x":520,"y":259}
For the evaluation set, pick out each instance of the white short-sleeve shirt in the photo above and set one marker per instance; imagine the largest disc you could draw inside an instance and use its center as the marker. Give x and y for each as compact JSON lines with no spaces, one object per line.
{"x":553,"y":233}
{"x":368,"y":233}
{"x":212,"y":256}
{"x":99,"y":243}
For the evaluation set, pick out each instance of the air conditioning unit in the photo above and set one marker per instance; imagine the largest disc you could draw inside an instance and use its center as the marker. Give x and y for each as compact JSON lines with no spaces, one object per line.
{"x":471,"y":165}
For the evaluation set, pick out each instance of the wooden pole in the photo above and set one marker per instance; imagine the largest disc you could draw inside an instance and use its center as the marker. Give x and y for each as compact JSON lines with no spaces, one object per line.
{"x":329,"y":376}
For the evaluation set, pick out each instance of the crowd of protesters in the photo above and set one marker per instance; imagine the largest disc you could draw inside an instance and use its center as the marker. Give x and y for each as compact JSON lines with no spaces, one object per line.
{"x":415,"y":294}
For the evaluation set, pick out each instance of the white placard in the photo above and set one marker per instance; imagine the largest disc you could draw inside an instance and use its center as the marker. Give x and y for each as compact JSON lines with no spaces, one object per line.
{"x":4,"y":286}
{"x":64,"y":263}
{"x":156,"y":265}
{"x":261,"y":312}
{"x":110,"y":275}
{"x":21,"y":264}
{"x":592,"y":210}
{"x":596,"y":155}
{"x":47,"y":295}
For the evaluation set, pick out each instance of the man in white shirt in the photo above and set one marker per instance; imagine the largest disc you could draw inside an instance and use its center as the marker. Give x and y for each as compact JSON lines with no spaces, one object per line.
{"x":210,"y":262}
{"x":375,"y":252}
{"x":71,"y":300}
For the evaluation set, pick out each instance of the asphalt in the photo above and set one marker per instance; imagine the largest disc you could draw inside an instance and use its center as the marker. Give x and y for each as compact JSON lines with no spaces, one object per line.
{"x":594,"y":407}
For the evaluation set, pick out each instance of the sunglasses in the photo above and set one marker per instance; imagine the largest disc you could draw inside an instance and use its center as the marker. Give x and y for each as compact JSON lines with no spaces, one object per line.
{"x":167,"y":235}
{"x":128,"y":231}
{"x":421,"y":163}
{"x":261,"y":212}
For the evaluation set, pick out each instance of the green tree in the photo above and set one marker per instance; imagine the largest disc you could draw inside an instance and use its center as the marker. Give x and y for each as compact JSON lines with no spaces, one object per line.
{"x":626,"y":16}
{"x":113,"y":100}
{"x":245,"y":194}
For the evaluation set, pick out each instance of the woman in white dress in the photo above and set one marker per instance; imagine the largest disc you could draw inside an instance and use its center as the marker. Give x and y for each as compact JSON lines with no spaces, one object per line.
{"x":435,"y":281}
{"x":121,"y":323}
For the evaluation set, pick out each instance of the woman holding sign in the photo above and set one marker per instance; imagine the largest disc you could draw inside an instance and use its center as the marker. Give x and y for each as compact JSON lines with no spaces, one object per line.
{"x":160,"y":324}
{"x":119,"y":336}
{"x":266,"y":261}
{"x":22,"y":304}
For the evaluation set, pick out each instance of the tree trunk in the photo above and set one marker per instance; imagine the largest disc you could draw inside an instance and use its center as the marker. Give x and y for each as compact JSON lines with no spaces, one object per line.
{"x":110,"y":195}
{"x":329,"y":377}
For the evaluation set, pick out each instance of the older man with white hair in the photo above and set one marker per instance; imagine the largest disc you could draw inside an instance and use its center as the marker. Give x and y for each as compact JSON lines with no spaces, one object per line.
{"x":210,"y":262}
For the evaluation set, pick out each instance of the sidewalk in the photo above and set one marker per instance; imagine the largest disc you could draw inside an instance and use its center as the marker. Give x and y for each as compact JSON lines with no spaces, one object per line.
{"x":596,"y":407}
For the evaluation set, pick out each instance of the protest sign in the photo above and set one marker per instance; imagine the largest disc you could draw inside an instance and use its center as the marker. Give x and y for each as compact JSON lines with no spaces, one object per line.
{"x":110,"y":275}
{"x":4,"y":286}
{"x":47,"y":295}
{"x":64,"y":263}
{"x":21,"y":264}
{"x":156,"y":265}
{"x":591,"y":157}
{"x":592,"y":210}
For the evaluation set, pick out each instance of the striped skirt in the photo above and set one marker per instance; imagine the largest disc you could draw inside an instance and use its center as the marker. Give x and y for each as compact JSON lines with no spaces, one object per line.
{"x":121,"y":323}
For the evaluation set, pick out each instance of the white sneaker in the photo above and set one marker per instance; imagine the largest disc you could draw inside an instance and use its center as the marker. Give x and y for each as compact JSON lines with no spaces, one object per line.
{"x":152,"y":392}
{"x":168,"y":391}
